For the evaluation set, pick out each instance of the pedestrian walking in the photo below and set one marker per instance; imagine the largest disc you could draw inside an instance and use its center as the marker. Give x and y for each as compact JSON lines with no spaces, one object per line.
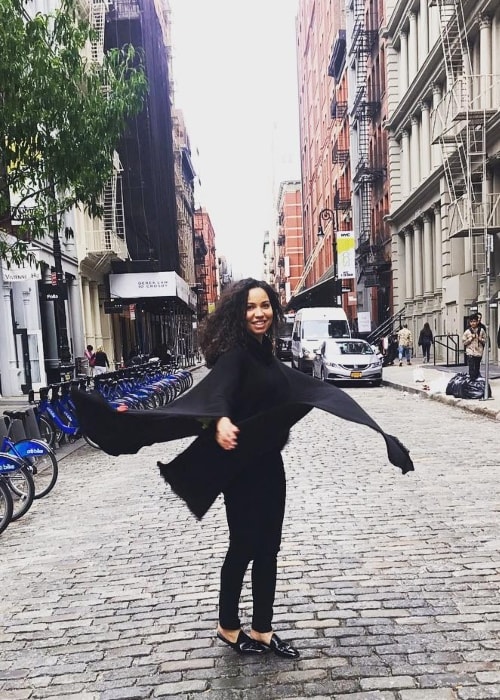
{"x":90,"y":355}
{"x":425,"y":341}
{"x":474,"y":340}
{"x":101,"y":365}
{"x":242,"y":412}
{"x":405,"y":343}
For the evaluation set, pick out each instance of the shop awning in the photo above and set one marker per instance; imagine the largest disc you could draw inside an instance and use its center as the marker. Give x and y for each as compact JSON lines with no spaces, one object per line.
{"x":323,"y":293}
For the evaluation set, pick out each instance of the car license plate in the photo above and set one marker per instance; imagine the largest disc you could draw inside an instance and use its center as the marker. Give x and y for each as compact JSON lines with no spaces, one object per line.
{"x":356,"y":375}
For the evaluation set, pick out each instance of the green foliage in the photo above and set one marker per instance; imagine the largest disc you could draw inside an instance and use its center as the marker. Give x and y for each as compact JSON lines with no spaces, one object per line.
{"x":61,"y":116}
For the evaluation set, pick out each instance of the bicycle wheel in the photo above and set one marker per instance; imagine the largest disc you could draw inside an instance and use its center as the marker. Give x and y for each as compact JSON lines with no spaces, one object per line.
{"x":47,"y":431}
{"x":6,"y":506}
{"x":43,"y":465}
{"x":22,"y":488}
{"x":91,"y":442}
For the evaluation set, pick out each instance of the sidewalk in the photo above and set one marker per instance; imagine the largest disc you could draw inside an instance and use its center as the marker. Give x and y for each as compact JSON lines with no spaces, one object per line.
{"x":436,"y":378}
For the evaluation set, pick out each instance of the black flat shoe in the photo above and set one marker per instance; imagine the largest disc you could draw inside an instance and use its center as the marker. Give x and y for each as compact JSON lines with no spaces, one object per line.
{"x":281,"y":648}
{"x":244,"y":644}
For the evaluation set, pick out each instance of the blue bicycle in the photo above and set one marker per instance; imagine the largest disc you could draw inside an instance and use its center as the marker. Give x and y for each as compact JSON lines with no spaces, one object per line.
{"x":35,"y":453}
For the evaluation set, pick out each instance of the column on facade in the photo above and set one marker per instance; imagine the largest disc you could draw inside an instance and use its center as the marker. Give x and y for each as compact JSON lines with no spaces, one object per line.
{"x":408,"y":264}
{"x":428,"y":256}
{"x":438,"y":248}
{"x":423,"y":43}
{"x":88,"y":321}
{"x":403,"y":65}
{"x":412,"y":47}
{"x":417,"y":266}
{"x":485,"y":63}
{"x":94,"y":300}
{"x":414,"y":154}
{"x":437,"y":123}
{"x":405,"y":164}
{"x":425,"y":141}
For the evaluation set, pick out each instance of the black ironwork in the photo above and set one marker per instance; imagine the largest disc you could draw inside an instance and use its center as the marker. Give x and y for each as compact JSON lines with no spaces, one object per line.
{"x":327,"y":215}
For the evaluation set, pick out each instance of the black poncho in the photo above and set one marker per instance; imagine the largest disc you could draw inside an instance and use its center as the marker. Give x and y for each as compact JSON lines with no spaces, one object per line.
{"x":260,"y":394}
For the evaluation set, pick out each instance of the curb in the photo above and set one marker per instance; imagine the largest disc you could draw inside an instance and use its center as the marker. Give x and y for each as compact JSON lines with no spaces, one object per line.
{"x":471,"y":405}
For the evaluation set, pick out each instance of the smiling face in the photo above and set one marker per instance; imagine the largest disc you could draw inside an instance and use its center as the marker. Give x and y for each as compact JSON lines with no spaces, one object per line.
{"x":259,"y":315}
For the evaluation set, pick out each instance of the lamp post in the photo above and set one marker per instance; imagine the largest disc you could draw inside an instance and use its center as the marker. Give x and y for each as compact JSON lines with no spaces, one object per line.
{"x":63,"y":349}
{"x":327,"y":215}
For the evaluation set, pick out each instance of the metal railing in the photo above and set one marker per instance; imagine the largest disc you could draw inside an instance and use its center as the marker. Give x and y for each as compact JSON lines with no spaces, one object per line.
{"x":387,"y":326}
{"x":452,"y":344}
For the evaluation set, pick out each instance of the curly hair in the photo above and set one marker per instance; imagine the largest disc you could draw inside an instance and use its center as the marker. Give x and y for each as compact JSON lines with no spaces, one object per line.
{"x":226,"y":327}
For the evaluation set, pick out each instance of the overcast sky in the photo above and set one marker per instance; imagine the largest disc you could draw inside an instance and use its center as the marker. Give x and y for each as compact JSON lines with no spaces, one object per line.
{"x":235,"y":77}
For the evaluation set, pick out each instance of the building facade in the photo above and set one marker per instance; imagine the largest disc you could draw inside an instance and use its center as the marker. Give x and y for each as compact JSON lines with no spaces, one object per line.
{"x":443,"y":124}
{"x":289,"y":240}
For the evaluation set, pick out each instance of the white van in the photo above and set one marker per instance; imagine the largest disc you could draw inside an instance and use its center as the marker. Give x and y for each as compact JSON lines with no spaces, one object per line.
{"x":311,"y":326}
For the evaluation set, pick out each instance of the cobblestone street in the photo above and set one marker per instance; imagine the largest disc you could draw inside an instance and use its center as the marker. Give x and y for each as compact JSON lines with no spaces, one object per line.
{"x":388,"y":584}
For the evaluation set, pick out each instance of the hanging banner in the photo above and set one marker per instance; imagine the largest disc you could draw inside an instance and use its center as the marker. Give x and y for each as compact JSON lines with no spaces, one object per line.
{"x":346,"y":261}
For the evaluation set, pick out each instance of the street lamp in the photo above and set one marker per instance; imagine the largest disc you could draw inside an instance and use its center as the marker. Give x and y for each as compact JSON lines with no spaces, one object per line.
{"x":327,"y":215}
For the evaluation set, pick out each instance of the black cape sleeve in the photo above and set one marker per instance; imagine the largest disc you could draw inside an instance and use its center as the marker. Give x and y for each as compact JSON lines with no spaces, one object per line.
{"x":203,"y":470}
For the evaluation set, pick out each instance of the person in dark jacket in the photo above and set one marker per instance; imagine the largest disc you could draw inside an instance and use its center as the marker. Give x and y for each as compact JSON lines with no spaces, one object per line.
{"x":101,"y":364}
{"x":242,"y":412}
{"x":425,"y":340}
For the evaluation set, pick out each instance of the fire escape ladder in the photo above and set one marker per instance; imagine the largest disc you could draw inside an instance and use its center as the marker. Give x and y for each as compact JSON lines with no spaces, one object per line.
{"x":98,"y":10}
{"x":113,"y":211}
{"x":362,"y":113}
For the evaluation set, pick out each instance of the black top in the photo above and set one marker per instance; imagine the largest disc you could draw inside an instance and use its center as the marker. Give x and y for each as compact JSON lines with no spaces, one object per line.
{"x":260,"y":394}
{"x":101,"y":359}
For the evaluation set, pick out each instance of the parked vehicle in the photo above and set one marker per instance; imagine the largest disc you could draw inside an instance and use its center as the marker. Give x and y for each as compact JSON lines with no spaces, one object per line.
{"x":348,"y":359}
{"x":284,"y":341}
{"x":312,"y":326}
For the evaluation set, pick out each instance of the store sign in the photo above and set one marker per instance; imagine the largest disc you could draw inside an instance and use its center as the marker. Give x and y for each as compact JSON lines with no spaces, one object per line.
{"x":113,"y":306}
{"x":139,"y":285}
{"x":48,"y":292}
{"x":346,"y":261}
{"x":20,"y":273}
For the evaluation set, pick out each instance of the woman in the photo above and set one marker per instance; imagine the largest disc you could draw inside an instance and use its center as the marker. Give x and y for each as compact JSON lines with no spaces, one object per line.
{"x":425,"y":340}
{"x":101,"y":362}
{"x":242,"y":412}
{"x":90,"y":355}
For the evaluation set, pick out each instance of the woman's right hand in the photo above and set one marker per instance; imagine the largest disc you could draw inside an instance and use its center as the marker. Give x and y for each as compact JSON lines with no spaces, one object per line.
{"x":226,"y":434}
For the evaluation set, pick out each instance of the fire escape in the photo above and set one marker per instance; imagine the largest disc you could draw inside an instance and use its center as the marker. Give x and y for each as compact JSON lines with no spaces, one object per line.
{"x":369,"y":253}
{"x":459,"y":126}
{"x":106,"y":239}
{"x":201,"y":270}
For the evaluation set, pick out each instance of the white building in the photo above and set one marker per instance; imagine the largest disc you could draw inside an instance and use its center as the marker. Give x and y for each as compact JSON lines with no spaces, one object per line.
{"x":443,"y":82}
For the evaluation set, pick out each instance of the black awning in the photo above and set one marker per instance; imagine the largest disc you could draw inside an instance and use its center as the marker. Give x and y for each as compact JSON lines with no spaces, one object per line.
{"x":323,"y":293}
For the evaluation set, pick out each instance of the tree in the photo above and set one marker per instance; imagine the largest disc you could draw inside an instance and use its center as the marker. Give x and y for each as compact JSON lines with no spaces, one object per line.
{"x":61,"y":116}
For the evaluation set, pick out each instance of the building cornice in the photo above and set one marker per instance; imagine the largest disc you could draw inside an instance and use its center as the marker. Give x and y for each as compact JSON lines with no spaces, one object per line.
{"x":418,"y":201}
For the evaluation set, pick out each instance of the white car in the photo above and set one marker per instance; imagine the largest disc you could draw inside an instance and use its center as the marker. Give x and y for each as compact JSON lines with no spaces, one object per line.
{"x":347,"y":359}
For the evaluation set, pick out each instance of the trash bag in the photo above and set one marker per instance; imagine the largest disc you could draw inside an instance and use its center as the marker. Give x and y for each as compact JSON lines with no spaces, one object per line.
{"x":473,"y":389}
{"x":453,"y":385}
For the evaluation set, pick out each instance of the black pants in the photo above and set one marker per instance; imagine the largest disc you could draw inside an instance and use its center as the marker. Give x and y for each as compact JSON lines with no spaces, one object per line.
{"x":255,"y":507}
{"x":426,"y":351}
{"x":474,"y":366}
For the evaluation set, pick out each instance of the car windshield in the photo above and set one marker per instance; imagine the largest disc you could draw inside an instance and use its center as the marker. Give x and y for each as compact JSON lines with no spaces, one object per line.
{"x":285,"y":330}
{"x":323,"y":328}
{"x":351,"y":347}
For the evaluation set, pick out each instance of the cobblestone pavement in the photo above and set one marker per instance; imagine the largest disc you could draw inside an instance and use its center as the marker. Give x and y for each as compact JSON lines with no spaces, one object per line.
{"x":388,"y":584}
